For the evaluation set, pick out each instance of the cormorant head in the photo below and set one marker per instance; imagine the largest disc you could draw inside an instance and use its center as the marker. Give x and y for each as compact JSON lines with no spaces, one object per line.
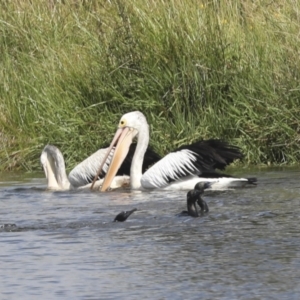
{"x":202,"y":185}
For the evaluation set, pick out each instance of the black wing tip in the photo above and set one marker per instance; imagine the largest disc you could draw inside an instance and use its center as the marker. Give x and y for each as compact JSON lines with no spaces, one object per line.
{"x":214,"y":153}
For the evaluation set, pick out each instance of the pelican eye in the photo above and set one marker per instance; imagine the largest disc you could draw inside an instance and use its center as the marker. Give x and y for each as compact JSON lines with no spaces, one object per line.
{"x":122,"y":123}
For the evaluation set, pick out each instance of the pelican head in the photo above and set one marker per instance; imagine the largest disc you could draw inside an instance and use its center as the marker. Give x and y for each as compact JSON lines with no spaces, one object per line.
{"x":134,"y":120}
{"x":54,"y":168}
{"x":131,"y":125}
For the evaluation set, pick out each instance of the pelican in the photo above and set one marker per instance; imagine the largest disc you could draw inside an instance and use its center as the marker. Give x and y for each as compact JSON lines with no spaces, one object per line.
{"x":81,"y":176}
{"x":178,"y":170}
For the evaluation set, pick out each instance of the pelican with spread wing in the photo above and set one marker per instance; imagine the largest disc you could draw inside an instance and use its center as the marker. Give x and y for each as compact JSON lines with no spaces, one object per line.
{"x":180,"y":169}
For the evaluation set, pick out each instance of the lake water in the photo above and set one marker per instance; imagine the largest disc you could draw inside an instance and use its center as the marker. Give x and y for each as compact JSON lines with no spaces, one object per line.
{"x":64,"y":245}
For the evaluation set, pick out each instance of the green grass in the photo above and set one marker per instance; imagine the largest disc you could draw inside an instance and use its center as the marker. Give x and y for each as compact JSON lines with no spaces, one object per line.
{"x":221,"y":69}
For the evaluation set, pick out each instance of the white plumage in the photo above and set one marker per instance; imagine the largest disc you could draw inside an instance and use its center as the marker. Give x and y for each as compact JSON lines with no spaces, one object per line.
{"x":86,"y":170}
{"x":80,"y":177}
{"x":177,"y":170}
{"x":169,"y":168}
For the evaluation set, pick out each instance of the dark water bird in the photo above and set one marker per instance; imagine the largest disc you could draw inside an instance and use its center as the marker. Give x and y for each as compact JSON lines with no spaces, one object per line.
{"x":8,"y":227}
{"x":122,"y":216}
{"x":200,"y":187}
{"x":193,"y":197}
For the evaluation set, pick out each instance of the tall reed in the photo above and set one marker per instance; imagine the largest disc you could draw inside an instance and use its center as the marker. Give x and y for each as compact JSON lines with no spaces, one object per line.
{"x":222,"y":69}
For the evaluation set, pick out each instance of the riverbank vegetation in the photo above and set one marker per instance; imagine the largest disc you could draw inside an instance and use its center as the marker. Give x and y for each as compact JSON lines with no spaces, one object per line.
{"x":196,"y":69}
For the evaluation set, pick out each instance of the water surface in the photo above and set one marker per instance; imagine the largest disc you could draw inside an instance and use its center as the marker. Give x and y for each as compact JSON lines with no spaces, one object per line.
{"x":64,"y":245}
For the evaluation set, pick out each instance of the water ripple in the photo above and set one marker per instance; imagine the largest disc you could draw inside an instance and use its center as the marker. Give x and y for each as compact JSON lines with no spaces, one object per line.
{"x":64,"y":244}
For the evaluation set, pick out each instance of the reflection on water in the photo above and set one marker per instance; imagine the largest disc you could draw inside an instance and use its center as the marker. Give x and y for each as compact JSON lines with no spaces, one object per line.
{"x":64,"y":244}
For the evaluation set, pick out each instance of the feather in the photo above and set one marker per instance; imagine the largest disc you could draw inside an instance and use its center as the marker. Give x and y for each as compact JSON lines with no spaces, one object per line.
{"x":198,"y":159}
{"x":85,"y":172}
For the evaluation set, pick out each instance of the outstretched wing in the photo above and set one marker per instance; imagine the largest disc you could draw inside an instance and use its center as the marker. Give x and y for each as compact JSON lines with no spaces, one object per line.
{"x":85,"y":172}
{"x":202,"y":157}
{"x":213,"y":154}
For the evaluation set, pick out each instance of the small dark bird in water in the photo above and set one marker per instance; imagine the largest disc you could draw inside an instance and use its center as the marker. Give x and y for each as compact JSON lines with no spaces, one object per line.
{"x":201,"y":187}
{"x":8,"y":226}
{"x":194,"y":196}
{"x":122,"y":216}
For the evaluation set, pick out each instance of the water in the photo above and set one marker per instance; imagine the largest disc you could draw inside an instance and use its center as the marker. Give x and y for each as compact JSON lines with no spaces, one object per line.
{"x":64,"y":245}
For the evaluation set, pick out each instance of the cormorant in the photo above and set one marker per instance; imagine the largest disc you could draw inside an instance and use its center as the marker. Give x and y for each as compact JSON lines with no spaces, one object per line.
{"x":122,"y":216}
{"x":194,"y":196}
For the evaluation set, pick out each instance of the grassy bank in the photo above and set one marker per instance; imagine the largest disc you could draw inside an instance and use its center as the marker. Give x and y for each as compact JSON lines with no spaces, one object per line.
{"x":226,"y":69}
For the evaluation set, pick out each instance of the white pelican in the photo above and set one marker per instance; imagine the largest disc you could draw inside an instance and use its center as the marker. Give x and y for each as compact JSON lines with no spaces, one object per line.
{"x":81,"y":176}
{"x":177,"y":170}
